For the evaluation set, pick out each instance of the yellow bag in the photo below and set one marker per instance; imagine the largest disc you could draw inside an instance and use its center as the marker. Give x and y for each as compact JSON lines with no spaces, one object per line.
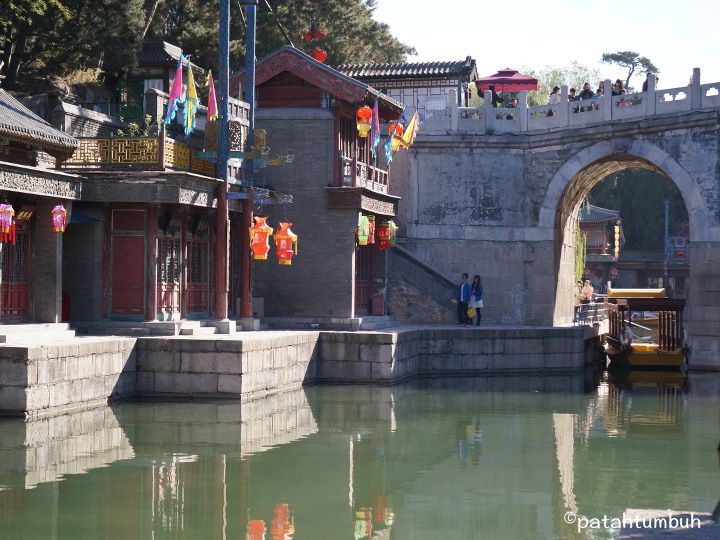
{"x":471,"y":312}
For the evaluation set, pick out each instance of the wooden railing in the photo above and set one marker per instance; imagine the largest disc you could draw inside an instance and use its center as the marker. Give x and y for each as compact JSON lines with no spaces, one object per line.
{"x":358,"y":174}
{"x":489,"y":120}
{"x":137,"y":153}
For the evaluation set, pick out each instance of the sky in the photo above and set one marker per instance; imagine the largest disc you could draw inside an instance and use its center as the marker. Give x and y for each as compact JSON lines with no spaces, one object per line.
{"x":675,"y":35}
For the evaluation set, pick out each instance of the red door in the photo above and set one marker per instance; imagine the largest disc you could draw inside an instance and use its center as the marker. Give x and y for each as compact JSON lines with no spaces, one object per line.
{"x":15,"y":290}
{"x":128,"y":275}
{"x":168,"y":277}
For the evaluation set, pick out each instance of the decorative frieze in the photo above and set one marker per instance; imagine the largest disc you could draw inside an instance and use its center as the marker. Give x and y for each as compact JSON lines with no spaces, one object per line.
{"x":39,"y":181}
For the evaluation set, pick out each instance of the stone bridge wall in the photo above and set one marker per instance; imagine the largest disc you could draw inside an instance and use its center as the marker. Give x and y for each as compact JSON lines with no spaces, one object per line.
{"x":503,"y":206}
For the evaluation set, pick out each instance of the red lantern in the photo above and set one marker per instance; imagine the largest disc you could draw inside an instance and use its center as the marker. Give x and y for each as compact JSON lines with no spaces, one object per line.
{"x":320,"y":55}
{"x":396,"y":130}
{"x":59,"y":218}
{"x":286,"y":243}
{"x":371,"y":230}
{"x":260,"y":238}
{"x":384,"y":235}
{"x":363,"y":119}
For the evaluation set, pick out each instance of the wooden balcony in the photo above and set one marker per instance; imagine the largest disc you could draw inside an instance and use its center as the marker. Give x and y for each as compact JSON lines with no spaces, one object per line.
{"x":358,"y":174}
{"x":137,"y":153}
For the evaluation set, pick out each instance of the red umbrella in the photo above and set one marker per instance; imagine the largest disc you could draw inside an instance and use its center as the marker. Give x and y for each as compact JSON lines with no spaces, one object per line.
{"x":509,"y":80}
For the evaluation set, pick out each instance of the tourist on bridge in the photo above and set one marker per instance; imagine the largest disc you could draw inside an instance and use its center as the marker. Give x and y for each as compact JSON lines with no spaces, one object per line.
{"x":476,"y":297}
{"x":571,"y":95}
{"x":462,"y":299}
{"x":496,"y":99}
{"x":618,"y":88}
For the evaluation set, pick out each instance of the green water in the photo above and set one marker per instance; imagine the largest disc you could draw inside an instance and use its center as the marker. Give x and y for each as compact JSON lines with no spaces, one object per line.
{"x":445,"y":459}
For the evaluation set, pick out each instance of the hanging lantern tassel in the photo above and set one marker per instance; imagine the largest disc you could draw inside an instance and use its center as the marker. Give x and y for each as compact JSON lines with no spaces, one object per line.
{"x":59,"y":218}
{"x":260,"y":238}
{"x":286,"y":243}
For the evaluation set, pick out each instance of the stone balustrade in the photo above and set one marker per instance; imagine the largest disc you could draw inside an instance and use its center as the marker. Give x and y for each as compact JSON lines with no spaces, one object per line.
{"x":489,"y":120}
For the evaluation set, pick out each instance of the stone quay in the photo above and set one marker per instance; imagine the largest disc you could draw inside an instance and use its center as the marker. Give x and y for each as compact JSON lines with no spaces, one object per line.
{"x":41,"y":380}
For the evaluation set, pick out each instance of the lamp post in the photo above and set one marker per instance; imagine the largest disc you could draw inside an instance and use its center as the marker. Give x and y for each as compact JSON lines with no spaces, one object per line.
{"x":245,"y":290}
{"x":222,"y":223}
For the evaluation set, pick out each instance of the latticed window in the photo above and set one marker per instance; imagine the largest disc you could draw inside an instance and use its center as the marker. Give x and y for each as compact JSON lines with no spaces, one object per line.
{"x":168,"y":260}
{"x":15,"y":259}
{"x":197,"y":261}
{"x":348,"y":133}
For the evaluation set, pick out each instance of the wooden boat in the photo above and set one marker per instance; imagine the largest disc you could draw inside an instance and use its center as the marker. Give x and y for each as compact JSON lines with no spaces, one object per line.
{"x":645,"y":328}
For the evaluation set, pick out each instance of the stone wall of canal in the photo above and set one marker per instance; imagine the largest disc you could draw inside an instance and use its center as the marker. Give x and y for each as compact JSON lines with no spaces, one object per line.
{"x":39,"y":381}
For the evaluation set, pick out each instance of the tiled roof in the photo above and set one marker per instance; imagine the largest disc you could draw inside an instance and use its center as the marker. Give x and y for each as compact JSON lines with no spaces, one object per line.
{"x":411,"y":70}
{"x":18,"y":123}
{"x":160,"y":53}
{"x":595,"y":213}
{"x":385,"y":100}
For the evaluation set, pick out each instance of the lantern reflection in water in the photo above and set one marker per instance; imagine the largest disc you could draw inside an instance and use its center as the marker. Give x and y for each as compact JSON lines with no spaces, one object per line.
{"x":282,"y":524}
{"x":256,"y":529}
{"x":260,"y":238}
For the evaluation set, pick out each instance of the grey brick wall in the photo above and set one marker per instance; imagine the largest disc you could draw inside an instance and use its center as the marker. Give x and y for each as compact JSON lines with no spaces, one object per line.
{"x":46,"y":265}
{"x":416,"y":292}
{"x":320,"y":281}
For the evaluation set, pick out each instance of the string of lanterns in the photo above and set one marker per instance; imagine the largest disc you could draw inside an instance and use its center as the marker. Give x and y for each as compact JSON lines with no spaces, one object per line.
{"x":386,"y":232}
{"x":286,"y":241}
{"x":58,"y":216}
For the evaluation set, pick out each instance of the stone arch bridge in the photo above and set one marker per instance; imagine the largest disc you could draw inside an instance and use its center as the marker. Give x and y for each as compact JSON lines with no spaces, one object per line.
{"x":495,"y":192}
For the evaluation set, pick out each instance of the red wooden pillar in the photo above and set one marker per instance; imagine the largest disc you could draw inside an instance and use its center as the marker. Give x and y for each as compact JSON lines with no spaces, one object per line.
{"x":222,"y":245}
{"x":245,"y":291}
{"x":152,"y":255}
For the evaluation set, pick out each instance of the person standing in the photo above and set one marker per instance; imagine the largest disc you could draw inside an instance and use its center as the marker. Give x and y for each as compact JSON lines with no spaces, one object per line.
{"x":462,"y":298}
{"x":476,"y":297}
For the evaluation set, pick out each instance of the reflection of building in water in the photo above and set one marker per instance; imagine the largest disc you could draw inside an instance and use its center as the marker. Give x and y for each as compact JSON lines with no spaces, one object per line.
{"x":168,"y":492}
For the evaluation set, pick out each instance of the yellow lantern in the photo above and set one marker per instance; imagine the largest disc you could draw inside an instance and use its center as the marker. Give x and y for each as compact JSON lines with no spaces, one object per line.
{"x":260,"y":238}
{"x":396,"y":130}
{"x":286,"y":243}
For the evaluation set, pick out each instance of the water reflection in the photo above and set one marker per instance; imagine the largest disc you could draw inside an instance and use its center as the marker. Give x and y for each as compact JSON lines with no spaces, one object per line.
{"x":496,"y":457}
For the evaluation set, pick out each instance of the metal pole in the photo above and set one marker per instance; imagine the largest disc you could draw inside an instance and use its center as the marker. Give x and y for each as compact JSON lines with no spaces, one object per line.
{"x":222,"y":244}
{"x":667,"y":245}
{"x":245,"y":287}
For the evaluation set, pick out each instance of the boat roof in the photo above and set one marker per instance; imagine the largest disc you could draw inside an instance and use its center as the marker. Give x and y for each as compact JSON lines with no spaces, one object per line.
{"x":637,"y":293}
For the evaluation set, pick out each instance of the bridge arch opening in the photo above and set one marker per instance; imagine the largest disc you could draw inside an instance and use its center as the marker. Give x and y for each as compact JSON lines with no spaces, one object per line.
{"x":578,"y":184}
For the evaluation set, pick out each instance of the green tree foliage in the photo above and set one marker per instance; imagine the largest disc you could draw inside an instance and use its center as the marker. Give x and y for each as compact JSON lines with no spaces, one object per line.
{"x":639,"y":195}
{"x":352,"y":34}
{"x":580,"y":248}
{"x":574,"y":76}
{"x":61,"y":36}
{"x":632,"y":61}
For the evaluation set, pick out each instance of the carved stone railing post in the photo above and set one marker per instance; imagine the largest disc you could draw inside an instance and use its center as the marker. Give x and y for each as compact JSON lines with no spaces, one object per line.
{"x":489,"y":117}
{"x":564,"y":105}
{"x":454,"y":110}
{"x":650,"y":95}
{"x":695,"y":90}
{"x":607,"y":100}
{"x":523,"y":110}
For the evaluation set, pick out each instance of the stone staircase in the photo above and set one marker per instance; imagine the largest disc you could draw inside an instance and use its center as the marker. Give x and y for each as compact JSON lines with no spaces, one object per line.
{"x":35,"y":334}
{"x":350,"y":324}
{"x":145,"y":328}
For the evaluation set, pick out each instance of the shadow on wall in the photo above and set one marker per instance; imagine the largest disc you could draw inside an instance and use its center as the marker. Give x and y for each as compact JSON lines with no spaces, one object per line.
{"x":408,"y":304}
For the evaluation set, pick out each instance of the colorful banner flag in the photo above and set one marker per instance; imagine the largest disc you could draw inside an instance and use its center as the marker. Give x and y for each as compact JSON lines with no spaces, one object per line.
{"x":191,"y":103}
{"x":375,"y":130}
{"x":176,"y":96}
{"x":388,"y":148}
{"x":410,"y":131}
{"x":212,"y":113}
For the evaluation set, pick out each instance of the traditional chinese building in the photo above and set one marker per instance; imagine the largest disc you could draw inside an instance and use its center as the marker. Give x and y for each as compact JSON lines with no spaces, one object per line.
{"x":308,"y":109}
{"x":31,"y":251}
{"x":603,"y":239}
{"x":420,"y":86}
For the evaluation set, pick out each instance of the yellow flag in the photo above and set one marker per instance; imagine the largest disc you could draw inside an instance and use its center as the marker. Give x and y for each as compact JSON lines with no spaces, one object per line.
{"x":191,"y":102}
{"x":410,"y":131}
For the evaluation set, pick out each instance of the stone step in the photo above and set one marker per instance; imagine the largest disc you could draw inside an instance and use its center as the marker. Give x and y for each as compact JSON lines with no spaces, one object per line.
{"x":6,"y":329}
{"x":37,"y":337}
{"x":199,"y":331}
{"x":126,"y":331}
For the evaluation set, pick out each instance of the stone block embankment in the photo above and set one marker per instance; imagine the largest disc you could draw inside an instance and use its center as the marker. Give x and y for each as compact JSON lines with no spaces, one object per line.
{"x":46,"y":380}
{"x":217,"y":367}
{"x":391,"y":357}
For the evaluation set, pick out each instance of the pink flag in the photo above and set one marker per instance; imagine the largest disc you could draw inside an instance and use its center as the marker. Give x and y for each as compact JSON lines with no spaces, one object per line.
{"x":175,"y":93}
{"x":212,"y":113}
